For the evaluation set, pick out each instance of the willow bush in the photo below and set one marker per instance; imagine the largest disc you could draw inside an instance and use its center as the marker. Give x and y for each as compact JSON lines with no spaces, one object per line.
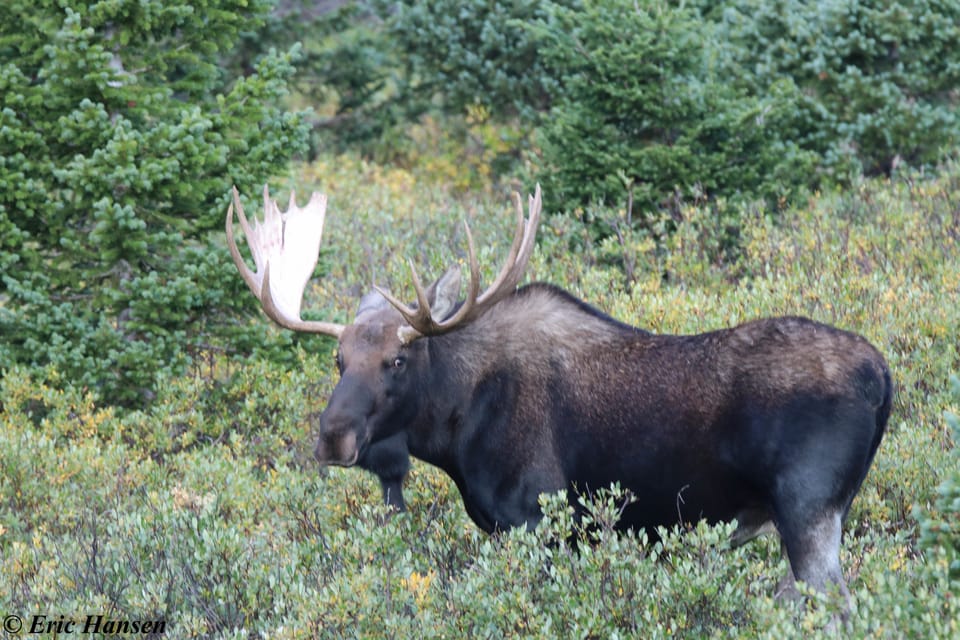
{"x":206,"y":510}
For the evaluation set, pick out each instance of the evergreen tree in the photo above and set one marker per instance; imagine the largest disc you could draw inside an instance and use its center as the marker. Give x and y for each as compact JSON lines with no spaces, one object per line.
{"x":120,"y":135}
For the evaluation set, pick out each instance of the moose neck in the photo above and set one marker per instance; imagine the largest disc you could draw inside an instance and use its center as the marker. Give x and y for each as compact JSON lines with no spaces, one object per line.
{"x":477,"y":372}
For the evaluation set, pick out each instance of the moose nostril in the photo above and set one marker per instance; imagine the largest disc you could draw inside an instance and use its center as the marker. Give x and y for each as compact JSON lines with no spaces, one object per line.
{"x":348,"y":446}
{"x":320,"y":451}
{"x":337,"y":448}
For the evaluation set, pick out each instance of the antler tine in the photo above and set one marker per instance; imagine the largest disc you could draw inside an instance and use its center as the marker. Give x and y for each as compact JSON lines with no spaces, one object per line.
{"x":534,"y":205}
{"x":248,"y":276}
{"x":415,"y":316}
{"x":520,"y":251}
{"x":287,"y":244}
{"x":473,"y":291}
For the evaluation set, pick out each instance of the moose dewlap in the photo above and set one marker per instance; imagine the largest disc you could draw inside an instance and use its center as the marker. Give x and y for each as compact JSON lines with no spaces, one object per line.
{"x":518,"y":391}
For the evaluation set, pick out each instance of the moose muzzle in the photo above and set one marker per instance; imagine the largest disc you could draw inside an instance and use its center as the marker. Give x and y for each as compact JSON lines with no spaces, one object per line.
{"x":340,"y":449}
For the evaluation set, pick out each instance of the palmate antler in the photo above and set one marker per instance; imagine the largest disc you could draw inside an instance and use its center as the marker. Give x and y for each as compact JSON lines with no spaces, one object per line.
{"x":285,"y":247}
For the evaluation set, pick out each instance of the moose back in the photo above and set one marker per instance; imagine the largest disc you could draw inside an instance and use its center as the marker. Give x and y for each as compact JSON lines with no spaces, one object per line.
{"x":516,"y":392}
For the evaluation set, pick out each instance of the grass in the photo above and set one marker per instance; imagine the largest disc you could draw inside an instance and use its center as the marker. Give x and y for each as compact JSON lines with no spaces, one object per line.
{"x":207,"y":512}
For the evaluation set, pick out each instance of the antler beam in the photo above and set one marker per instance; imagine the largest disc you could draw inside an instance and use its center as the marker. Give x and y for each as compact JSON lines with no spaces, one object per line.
{"x":420,"y":318}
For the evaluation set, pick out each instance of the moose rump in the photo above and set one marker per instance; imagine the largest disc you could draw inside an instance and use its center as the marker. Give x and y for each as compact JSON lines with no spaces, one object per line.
{"x":725,"y":424}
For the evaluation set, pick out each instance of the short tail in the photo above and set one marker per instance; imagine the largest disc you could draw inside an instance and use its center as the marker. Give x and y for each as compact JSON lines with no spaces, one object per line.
{"x":882,"y":416}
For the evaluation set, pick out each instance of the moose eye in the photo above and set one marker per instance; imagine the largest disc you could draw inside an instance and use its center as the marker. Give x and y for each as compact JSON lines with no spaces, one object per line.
{"x":399,"y":362}
{"x":338,"y":359}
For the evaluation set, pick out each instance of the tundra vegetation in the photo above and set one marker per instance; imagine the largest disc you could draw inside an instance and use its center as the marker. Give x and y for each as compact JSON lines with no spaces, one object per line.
{"x":206,"y":509}
{"x":173,"y":479}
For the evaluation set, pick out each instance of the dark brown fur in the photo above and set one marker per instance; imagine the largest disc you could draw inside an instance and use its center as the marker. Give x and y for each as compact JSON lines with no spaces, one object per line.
{"x":774,"y":422}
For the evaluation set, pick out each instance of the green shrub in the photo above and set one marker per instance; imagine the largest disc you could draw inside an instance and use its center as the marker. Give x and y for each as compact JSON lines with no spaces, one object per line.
{"x":120,"y":135}
{"x":736,"y":100}
{"x":642,"y":105}
{"x":875,"y":81}
{"x":941,"y":532}
{"x":352,"y":76}
{"x":473,"y":54}
{"x":205,"y":509}
{"x":644,"y":118}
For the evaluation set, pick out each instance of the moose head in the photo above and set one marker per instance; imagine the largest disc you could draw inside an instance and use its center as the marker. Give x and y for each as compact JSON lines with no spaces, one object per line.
{"x":381,"y":356}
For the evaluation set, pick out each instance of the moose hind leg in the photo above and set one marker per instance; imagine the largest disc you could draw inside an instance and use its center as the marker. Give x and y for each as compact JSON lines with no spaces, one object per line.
{"x":813,"y":548}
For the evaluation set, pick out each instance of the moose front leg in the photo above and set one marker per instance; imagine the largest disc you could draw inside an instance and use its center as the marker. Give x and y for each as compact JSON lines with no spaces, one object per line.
{"x":389,"y":459}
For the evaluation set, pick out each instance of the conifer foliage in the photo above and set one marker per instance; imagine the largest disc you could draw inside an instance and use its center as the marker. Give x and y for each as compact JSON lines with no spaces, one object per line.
{"x":120,"y":135}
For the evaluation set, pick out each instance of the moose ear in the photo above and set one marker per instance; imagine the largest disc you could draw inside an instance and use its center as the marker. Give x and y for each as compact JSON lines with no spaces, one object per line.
{"x":444,"y":294}
{"x":373,"y":301}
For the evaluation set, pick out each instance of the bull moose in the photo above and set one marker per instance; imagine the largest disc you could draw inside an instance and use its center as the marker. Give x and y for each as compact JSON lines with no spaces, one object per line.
{"x":514,"y":392}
